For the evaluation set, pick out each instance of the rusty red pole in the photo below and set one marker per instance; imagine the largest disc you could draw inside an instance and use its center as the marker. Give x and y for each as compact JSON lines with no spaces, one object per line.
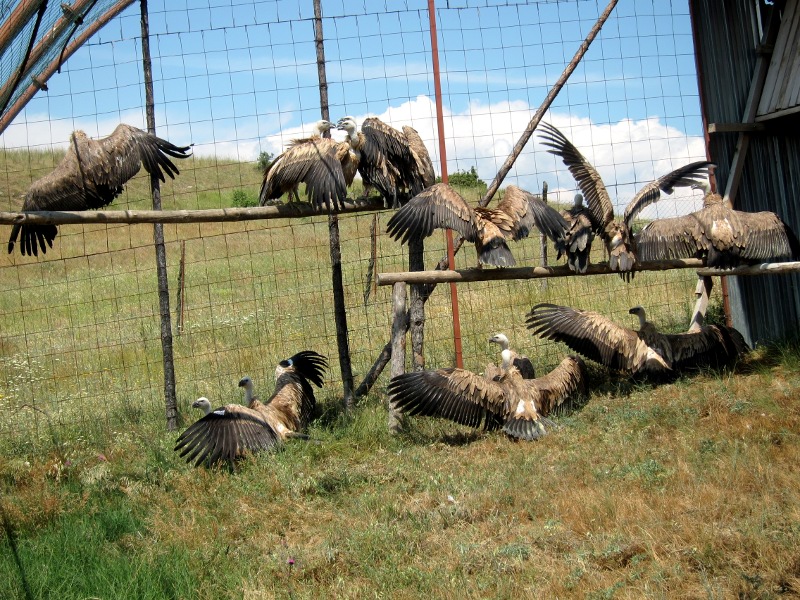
{"x":451,"y":260}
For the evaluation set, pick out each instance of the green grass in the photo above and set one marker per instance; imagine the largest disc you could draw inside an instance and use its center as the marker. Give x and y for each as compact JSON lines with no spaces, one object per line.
{"x":684,"y":490}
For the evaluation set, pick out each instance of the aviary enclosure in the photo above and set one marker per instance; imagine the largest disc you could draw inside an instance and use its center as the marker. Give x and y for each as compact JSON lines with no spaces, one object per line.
{"x":81,"y":345}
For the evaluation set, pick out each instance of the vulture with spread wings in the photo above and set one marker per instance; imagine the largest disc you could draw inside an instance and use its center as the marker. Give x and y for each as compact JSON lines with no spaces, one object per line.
{"x":91,"y":175}
{"x":720,"y":235}
{"x":316,"y":161}
{"x":617,"y":235}
{"x":645,"y":351}
{"x":505,"y":400}
{"x":227,"y":433}
{"x":441,"y":207}
{"x":395,"y":162}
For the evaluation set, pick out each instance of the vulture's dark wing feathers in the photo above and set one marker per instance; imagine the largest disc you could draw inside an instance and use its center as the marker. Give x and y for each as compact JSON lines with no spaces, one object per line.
{"x":684,"y":176}
{"x":528,"y":211}
{"x":713,"y":346}
{"x":91,"y":174}
{"x":438,"y":207}
{"x":422,"y":159}
{"x":666,"y":239}
{"x":591,"y":184}
{"x":588,"y":333}
{"x":309,"y":365}
{"x":454,"y":394}
{"x":224,"y":435}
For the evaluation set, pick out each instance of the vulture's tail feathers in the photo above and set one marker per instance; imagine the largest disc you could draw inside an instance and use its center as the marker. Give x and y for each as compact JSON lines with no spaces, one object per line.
{"x":794,"y":243}
{"x":525,"y":429}
{"x":496,"y":253}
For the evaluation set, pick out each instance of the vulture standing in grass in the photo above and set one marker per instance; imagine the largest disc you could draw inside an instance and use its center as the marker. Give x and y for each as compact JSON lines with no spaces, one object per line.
{"x":226,"y":433}
{"x":645,"y":351}
{"x":507,"y":400}
{"x":316,"y":161}
{"x":511,"y":357}
{"x":389,"y":160}
{"x":724,"y":237}
{"x":441,"y":207}
{"x":617,"y":235}
{"x":91,"y":175}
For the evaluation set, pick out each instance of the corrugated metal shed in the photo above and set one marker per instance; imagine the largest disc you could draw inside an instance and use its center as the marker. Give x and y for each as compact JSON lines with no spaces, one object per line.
{"x":781,"y":95}
{"x":728,"y":43}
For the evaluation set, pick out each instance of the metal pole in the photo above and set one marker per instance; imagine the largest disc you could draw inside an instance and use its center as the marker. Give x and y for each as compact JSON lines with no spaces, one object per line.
{"x":451,"y":260}
{"x":158,"y":238}
{"x":339,"y":308}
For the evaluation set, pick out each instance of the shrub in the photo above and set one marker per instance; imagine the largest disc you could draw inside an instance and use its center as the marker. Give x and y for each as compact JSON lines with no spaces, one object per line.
{"x":264,"y":160}
{"x":243,"y":199}
{"x":467,"y":179}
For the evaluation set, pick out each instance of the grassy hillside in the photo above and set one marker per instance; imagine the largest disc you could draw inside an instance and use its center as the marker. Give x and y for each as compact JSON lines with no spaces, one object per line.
{"x":682,"y":490}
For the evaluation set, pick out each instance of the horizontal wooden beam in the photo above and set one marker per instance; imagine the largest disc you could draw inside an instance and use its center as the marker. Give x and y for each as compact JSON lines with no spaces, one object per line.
{"x":760,"y":269}
{"x":466,"y":275}
{"x":492,"y":274}
{"x":279,"y":211}
{"x":736,"y":127}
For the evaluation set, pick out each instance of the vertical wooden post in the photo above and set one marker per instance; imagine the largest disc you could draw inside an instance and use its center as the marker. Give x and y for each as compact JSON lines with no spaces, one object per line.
{"x":158,"y":238}
{"x":543,"y":237}
{"x":339,"y":308}
{"x":181,"y":287}
{"x":416,"y":314}
{"x":703,"y":292}
{"x":399,"y":328}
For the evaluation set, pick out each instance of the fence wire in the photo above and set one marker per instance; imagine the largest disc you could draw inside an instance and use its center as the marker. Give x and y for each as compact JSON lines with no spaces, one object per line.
{"x":80,"y":339}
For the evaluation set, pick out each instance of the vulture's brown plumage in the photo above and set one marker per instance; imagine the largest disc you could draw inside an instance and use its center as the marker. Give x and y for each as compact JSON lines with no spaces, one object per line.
{"x":441,"y":207}
{"x":617,"y":235}
{"x":316,"y":161}
{"x":91,"y":174}
{"x":576,"y":243}
{"x":518,"y":405}
{"x":228,"y":432}
{"x":394,"y":162}
{"x":645,"y":351}
{"x":720,"y":235}
{"x":511,"y":357}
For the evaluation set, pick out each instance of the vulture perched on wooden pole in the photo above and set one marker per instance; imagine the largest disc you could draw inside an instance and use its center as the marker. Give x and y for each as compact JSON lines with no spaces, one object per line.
{"x":576,"y":243}
{"x":506,"y":400}
{"x":720,"y":235}
{"x":396,"y":163}
{"x":511,"y":357}
{"x":91,"y":175}
{"x":316,"y":161}
{"x":617,"y":235}
{"x":227,"y":433}
{"x":516,"y":215}
{"x":646,"y":351}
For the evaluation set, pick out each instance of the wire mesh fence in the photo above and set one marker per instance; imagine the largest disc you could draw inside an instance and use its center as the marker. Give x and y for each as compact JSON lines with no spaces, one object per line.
{"x":80,"y":349}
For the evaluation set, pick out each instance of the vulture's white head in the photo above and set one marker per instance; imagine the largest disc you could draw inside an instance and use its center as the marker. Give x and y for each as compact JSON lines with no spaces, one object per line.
{"x":203,"y":404}
{"x":499,"y":338}
{"x":322,"y":126}
{"x":639,"y":312}
{"x":247,"y":384}
{"x":347,"y":124}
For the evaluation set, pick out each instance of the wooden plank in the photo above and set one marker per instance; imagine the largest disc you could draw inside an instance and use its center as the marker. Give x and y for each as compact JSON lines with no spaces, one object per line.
{"x":399,"y":328}
{"x":281,"y":211}
{"x":468,"y":275}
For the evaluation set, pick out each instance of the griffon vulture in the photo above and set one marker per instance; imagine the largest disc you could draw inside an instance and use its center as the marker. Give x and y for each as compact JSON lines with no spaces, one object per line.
{"x":518,"y":405}
{"x":388,"y":159}
{"x":441,"y":207}
{"x":577,"y":240}
{"x":316,"y":161}
{"x":616,"y":235}
{"x":724,"y":237}
{"x":645,"y":351}
{"x":226,"y":433}
{"x":91,"y":174}
{"x":511,"y":357}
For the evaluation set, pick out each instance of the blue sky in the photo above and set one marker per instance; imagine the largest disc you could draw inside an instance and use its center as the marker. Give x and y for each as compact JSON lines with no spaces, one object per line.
{"x":236,"y":77}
